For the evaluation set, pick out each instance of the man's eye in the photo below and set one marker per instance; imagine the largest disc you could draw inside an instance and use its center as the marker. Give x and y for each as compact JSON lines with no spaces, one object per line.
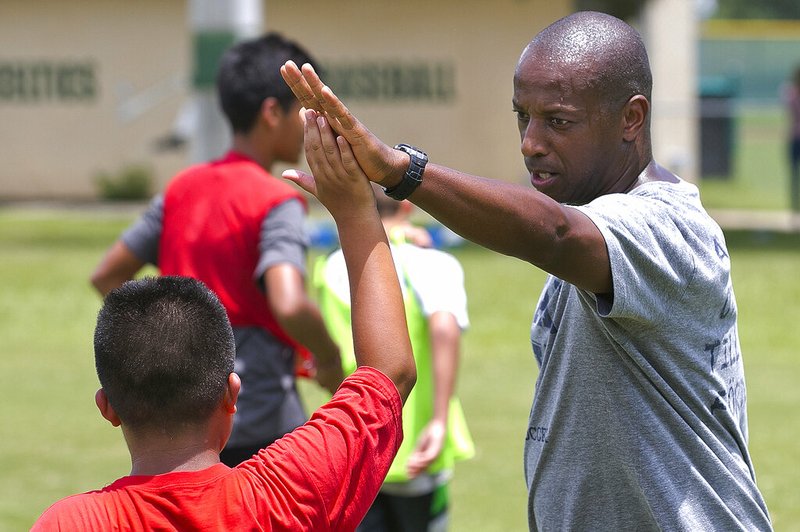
{"x":558,"y":121}
{"x":521,"y":116}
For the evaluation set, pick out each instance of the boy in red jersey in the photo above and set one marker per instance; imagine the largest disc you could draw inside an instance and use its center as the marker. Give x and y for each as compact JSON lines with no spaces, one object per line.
{"x":233,"y":225}
{"x":164,"y":351}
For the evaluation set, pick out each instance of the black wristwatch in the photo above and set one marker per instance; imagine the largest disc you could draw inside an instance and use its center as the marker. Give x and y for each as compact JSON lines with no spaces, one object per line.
{"x":413,"y":176}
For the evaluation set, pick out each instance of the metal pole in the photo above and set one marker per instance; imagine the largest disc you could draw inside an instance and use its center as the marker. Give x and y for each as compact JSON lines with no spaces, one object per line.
{"x":673,"y":59}
{"x":215,"y":25}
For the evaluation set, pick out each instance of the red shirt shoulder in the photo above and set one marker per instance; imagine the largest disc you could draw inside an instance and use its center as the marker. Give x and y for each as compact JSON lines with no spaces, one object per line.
{"x":322,"y":476}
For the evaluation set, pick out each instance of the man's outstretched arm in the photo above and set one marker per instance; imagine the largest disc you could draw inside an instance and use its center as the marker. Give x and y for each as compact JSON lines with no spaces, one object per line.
{"x":508,"y":218}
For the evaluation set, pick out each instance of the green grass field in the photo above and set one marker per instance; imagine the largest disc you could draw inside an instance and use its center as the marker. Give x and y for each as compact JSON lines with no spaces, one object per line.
{"x":54,"y":442}
{"x":759,"y":164}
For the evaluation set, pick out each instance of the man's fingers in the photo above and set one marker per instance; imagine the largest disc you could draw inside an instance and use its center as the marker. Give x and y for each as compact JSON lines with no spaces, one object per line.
{"x":336,"y":109}
{"x":313,"y":94}
{"x":314,"y":84}
{"x":295,"y":80}
{"x":327,"y":101}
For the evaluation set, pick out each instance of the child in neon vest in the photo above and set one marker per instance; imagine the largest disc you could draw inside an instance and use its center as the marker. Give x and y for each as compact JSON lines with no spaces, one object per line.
{"x":432,"y":281}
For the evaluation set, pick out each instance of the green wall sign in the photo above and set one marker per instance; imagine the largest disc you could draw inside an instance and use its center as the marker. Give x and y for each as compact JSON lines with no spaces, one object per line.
{"x":44,"y":81}
{"x":392,"y":81}
{"x":208,"y":49}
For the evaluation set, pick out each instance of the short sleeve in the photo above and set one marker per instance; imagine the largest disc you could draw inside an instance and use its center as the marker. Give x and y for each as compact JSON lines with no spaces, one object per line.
{"x":284,"y":238}
{"x":652,"y":246}
{"x":438,"y":281}
{"x":143,"y":236}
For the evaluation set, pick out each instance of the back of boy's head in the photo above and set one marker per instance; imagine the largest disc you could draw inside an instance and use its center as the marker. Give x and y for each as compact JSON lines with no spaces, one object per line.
{"x":163,"y":350}
{"x":249,"y":73}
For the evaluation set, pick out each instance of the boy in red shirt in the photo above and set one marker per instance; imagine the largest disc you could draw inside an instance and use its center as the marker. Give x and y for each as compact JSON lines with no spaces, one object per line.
{"x":164,"y":352}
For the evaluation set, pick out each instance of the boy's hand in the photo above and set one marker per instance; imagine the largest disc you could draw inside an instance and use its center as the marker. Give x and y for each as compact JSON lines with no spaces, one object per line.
{"x":337,"y":180}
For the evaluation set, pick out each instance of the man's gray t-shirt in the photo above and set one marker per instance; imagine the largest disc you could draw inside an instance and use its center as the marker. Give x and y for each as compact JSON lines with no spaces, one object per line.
{"x":639,"y":416}
{"x":269,"y":405}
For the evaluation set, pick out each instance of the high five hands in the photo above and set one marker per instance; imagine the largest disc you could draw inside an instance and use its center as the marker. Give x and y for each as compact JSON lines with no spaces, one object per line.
{"x":380,"y":163}
{"x":336,"y":179}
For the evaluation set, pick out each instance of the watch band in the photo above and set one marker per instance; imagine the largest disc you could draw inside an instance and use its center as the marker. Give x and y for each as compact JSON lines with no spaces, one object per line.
{"x":413,"y":176}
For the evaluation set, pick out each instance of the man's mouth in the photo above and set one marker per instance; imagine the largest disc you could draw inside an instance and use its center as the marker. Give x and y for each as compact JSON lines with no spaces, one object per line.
{"x":540,"y":178}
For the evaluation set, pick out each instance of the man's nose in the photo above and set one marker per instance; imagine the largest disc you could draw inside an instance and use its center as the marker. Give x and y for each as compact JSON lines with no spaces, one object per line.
{"x":533,"y":140}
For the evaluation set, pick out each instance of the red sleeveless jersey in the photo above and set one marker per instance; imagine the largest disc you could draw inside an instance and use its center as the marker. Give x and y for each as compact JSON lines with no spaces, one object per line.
{"x":213,"y":214}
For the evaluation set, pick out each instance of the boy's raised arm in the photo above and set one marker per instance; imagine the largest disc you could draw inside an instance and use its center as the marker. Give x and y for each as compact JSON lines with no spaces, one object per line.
{"x":380,"y":333}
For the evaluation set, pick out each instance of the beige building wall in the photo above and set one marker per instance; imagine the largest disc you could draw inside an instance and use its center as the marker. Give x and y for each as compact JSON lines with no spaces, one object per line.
{"x":135,"y":58}
{"x":476,"y":131}
{"x":86,"y":86}
{"x":90,"y":85}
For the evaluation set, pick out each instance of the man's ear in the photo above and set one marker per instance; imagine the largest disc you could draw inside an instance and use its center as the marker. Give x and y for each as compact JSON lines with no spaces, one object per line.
{"x":271,"y":111}
{"x":231,"y":393}
{"x":634,"y":117}
{"x":106,"y":410}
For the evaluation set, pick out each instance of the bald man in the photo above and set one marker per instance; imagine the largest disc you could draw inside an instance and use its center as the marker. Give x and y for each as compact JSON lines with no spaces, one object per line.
{"x":639,"y":417}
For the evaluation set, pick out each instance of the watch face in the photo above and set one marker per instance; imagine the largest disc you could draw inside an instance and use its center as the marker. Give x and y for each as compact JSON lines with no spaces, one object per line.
{"x":411,"y":150}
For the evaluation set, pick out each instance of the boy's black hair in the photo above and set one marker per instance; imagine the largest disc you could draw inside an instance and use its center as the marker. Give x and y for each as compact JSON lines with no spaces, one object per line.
{"x":163,"y":351}
{"x":249,"y":73}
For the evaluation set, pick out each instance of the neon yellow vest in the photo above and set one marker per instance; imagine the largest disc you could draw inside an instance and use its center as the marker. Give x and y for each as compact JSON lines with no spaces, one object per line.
{"x":418,"y":409}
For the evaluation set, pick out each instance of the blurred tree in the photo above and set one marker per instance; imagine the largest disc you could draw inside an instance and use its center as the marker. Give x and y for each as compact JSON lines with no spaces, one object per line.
{"x":743,"y":9}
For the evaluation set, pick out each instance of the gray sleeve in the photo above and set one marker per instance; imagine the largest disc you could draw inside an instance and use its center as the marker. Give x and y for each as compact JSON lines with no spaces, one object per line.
{"x":653,"y":248}
{"x":283,"y":238}
{"x":143,"y":235}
